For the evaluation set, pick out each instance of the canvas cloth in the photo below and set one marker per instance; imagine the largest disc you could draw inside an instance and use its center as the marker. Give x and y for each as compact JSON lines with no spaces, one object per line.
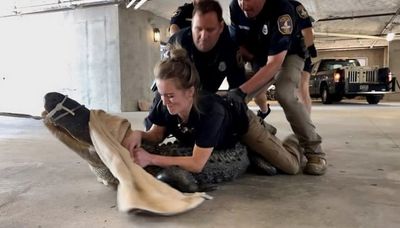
{"x":137,"y":189}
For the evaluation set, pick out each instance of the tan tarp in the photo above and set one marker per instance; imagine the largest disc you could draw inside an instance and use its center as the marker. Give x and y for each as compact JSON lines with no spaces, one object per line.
{"x":137,"y":189}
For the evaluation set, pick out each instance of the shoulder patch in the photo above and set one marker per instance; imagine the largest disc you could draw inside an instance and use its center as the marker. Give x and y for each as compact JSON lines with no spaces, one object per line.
{"x":285,"y":24}
{"x":302,"y":12}
{"x":177,"y":12}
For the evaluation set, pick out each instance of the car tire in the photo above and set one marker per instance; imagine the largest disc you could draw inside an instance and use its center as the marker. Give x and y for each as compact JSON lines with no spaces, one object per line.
{"x":374,"y":99}
{"x":338,"y":98}
{"x":326,"y":97}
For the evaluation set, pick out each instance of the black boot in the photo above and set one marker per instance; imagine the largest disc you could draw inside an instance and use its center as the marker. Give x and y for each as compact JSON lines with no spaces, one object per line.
{"x":263,"y":115}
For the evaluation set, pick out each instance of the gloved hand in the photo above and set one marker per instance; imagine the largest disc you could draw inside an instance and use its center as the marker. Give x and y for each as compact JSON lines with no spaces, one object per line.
{"x":312,"y":51}
{"x":236,"y":95}
{"x":236,"y":104}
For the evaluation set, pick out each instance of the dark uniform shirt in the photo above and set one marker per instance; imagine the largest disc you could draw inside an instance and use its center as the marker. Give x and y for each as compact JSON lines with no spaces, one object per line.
{"x":183,"y":16}
{"x":303,"y":21}
{"x":268,"y":34}
{"x":214,"y":126}
{"x":214,"y":66}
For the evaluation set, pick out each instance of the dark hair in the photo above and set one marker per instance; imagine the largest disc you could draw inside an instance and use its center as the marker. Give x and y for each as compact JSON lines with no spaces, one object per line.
{"x":206,"y":6}
{"x":179,"y":67}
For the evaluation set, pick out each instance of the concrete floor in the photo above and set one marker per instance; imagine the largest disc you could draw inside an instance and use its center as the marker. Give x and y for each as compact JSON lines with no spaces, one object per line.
{"x":44,"y":184}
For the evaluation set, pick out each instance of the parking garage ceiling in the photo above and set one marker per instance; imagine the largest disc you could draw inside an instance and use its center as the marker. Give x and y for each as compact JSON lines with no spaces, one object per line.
{"x":339,"y":24}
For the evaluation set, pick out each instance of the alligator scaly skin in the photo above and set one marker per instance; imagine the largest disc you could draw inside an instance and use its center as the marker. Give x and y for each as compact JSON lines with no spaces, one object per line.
{"x":223,"y":165}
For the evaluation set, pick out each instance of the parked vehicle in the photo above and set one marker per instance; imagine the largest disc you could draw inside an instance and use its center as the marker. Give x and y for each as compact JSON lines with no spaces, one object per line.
{"x":333,"y":79}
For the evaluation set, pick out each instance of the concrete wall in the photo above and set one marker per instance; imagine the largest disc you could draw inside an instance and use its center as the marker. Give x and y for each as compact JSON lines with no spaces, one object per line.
{"x":101,"y":56}
{"x":394,"y":64}
{"x":138,"y":54}
{"x":376,"y":57}
{"x":74,"y":52}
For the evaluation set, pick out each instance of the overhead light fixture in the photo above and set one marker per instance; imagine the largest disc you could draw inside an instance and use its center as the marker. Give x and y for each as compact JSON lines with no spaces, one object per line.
{"x":156,"y":35}
{"x":130,"y":3}
{"x":390,"y":36}
{"x":138,"y":4}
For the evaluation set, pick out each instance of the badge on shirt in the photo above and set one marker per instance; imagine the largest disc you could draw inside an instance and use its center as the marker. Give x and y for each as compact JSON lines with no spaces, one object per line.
{"x":285,"y":24}
{"x":222,"y":66}
{"x":301,"y":11}
{"x":265,"y":30}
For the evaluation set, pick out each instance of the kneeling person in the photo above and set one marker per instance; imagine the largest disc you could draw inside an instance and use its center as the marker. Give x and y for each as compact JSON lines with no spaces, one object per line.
{"x":204,"y":121}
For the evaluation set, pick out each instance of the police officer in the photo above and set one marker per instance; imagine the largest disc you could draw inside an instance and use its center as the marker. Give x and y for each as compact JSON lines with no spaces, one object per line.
{"x":304,"y":25}
{"x":182,"y":17}
{"x":211,"y":49}
{"x":265,"y":30}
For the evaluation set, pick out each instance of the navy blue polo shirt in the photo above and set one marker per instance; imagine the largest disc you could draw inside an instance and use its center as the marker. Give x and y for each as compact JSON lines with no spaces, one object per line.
{"x":268,"y":34}
{"x":183,"y":16}
{"x":215,"y":125}
{"x":215,"y":65}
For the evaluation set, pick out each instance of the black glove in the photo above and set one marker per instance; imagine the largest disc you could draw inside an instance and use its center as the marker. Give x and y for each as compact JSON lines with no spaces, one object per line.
{"x":312,"y":51}
{"x":236,"y":95}
{"x":236,"y":105}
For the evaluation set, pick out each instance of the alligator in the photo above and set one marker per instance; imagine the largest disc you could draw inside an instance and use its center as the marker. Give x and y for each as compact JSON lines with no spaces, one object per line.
{"x":68,"y":121}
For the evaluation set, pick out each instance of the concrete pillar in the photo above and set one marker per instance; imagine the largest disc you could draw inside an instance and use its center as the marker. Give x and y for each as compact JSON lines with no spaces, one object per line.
{"x":75,"y":52}
{"x":394,"y":65}
{"x":138,"y":55}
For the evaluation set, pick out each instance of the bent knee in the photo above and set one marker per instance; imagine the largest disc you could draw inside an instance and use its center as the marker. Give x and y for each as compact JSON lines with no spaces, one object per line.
{"x":285,"y":97}
{"x":293,"y":169}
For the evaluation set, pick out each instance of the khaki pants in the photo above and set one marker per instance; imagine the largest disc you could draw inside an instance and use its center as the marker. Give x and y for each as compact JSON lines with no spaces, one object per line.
{"x":287,"y":81}
{"x":284,"y":156}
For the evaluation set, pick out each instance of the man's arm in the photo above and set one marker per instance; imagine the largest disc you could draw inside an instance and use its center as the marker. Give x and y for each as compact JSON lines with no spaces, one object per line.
{"x":247,"y":56}
{"x":307,"y":32}
{"x":178,"y":20}
{"x":264,"y":75}
{"x":173,"y":28}
{"x":308,"y":35}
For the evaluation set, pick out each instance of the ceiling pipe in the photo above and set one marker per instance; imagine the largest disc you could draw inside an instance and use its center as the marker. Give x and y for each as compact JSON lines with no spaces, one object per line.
{"x":349,"y":35}
{"x":388,"y":26}
{"x":356,"y":17}
{"x":53,"y":7}
{"x":135,"y":3}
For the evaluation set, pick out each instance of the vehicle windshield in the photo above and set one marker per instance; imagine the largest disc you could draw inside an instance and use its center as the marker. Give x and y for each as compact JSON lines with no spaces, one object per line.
{"x":335,"y":64}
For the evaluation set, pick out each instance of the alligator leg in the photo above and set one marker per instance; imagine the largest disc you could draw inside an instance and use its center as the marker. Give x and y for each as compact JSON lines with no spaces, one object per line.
{"x":260,"y":165}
